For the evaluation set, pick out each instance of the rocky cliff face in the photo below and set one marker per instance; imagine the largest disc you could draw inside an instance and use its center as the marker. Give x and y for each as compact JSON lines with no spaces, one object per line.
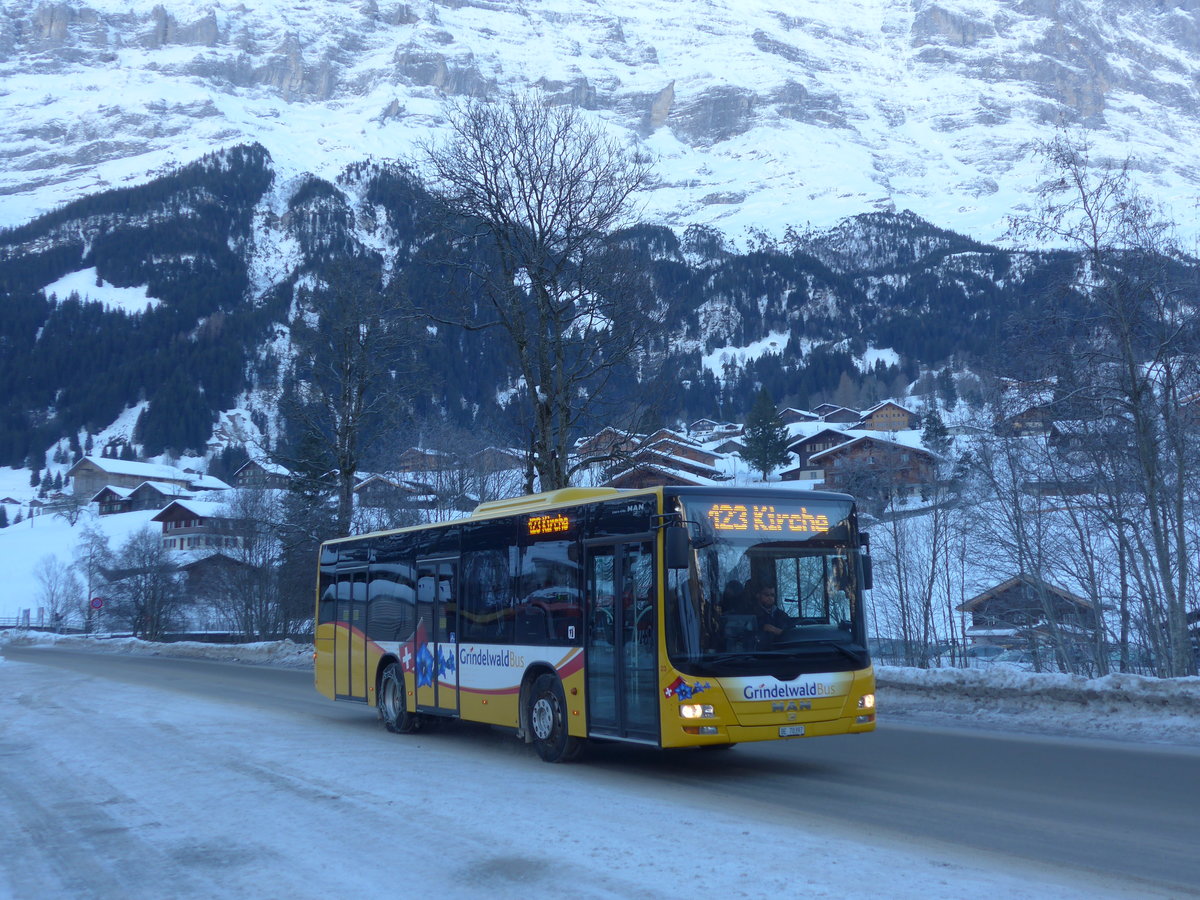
{"x":761,"y":113}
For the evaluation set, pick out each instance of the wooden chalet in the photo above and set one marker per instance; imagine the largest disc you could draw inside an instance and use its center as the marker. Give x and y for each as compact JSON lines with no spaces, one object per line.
{"x":831,"y":412}
{"x":888,"y":416}
{"x":1014,"y":613}
{"x":197,"y":525}
{"x":415,"y":459}
{"x":112,"y":500}
{"x":608,"y":442}
{"x":897,"y":464}
{"x":806,"y":446}
{"x":790,"y":416}
{"x":92,"y":473}
{"x":497,"y":459}
{"x":261,"y":475}
{"x":644,"y":474}
{"x":381,"y":491}
{"x":677,"y":446}
{"x":730,"y":445}
{"x":156,"y":495}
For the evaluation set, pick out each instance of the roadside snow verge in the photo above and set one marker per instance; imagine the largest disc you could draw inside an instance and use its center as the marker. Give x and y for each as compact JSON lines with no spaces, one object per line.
{"x":286,"y":654}
{"x":1122,"y":706}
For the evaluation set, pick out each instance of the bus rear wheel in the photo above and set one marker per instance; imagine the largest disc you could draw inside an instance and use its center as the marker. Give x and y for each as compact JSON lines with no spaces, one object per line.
{"x":393,"y":709}
{"x":547,"y":714}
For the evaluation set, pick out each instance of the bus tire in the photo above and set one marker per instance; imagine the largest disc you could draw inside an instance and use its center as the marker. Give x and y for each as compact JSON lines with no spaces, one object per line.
{"x":393,"y":708}
{"x":547,"y":712}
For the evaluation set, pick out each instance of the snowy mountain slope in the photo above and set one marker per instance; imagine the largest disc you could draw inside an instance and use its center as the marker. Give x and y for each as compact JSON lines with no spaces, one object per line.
{"x":761,"y":114}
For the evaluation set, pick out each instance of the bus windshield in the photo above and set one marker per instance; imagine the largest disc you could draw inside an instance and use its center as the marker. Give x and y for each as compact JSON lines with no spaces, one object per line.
{"x":772,"y":587}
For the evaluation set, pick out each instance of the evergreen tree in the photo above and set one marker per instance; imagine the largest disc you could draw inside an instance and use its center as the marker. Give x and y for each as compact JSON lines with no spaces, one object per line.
{"x":934,"y":433}
{"x":766,"y":437}
{"x":35,"y":478}
{"x":3,"y":516}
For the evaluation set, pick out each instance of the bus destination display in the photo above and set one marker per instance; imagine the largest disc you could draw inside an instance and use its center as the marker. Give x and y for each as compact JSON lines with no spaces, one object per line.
{"x":750,"y":517}
{"x":542,"y":525}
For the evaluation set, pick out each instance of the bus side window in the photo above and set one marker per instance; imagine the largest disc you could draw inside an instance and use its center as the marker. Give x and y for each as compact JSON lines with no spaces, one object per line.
{"x":485,"y":601}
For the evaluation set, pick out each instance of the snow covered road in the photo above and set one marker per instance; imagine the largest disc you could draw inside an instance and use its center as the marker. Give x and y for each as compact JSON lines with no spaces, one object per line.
{"x":179,"y":778}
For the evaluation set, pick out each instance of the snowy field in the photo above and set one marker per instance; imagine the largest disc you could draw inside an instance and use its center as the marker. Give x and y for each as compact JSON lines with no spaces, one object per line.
{"x":254,"y":804}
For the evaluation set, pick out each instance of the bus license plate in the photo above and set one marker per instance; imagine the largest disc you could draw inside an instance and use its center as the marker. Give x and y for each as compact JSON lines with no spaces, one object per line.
{"x":791,"y":731}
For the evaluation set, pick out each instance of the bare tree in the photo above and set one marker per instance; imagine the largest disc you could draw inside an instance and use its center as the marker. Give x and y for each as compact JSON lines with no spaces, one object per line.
{"x":146,"y":586}
{"x":91,"y":554}
{"x":1139,"y":351}
{"x":243,"y":582}
{"x":534,"y":194}
{"x":59,"y":591}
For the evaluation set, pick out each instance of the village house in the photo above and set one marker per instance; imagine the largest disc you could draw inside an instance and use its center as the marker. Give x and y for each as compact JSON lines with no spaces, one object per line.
{"x":891,"y":464}
{"x":888,"y":416}
{"x":416,"y":459}
{"x":675,"y":445}
{"x":156,"y":495}
{"x":806,"y":446}
{"x":607,"y":443}
{"x":643,"y":473}
{"x":790,"y":416}
{"x":1015,"y":614}
{"x":197,"y":525}
{"x":497,"y":459}
{"x":261,"y":475}
{"x":112,"y":500}
{"x":380,"y":491}
{"x":831,"y":412}
{"x":92,"y":473}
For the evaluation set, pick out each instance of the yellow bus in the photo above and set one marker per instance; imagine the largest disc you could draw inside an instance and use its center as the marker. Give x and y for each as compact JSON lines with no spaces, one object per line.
{"x":672,"y":617}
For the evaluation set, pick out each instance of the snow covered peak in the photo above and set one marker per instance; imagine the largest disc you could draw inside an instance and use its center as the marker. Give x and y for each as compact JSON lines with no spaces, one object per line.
{"x":761,"y":114}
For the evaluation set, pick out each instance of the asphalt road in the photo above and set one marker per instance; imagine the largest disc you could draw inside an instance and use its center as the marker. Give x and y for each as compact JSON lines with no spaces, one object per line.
{"x":1107,"y":810}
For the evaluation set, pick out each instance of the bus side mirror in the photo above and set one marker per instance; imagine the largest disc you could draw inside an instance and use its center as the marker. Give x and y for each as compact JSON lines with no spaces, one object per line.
{"x":864,"y":553}
{"x":677,"y":546}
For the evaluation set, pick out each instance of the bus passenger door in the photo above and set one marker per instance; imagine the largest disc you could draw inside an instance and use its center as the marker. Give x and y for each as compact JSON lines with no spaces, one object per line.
{"x":437,"y":635}
{"x":350,"y":640}
{"x":622,"y":641}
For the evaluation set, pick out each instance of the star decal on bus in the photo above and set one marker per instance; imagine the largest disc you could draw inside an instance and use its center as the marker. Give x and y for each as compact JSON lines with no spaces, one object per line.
{"x":684,"y":691}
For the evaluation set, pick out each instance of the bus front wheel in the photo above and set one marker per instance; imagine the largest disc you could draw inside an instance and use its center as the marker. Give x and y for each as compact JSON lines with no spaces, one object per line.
{"x":547,"y":711}
{"x":393,"y":709}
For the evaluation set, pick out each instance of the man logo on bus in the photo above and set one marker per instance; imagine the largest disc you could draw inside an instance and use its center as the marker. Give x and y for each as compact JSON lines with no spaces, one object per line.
{"x":684,"y":691}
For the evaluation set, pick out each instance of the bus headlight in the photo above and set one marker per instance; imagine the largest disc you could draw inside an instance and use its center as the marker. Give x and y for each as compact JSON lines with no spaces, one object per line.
{"x":696,"y":711}
{"x":866,"y":701}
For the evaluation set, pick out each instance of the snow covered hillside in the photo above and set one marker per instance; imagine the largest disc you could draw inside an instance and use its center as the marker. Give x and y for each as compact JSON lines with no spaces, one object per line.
{"x":759,"y":113}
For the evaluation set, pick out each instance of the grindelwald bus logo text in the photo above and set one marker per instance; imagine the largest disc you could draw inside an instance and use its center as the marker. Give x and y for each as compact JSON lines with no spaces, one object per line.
{"x":470,"y":656}
{"x":789,"y":691}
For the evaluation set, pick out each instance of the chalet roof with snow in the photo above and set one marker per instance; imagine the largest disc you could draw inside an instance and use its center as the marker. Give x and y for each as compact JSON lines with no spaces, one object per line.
{"x":647,"y":474}
{"x":195,"y":509}
{"x":888,"y":416}
{"x":907,"y":440}
{"x":146,"y":471}
{"x":1017,"y":582}
{"x":264,"y":466}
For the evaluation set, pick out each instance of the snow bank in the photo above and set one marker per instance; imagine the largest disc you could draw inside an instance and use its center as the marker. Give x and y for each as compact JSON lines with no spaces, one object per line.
{"x":286,"y":654}
{"x":1121,"y":707}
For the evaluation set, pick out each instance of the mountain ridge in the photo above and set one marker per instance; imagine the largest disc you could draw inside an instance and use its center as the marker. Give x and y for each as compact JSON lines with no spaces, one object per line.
{"x":760,"y":115}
